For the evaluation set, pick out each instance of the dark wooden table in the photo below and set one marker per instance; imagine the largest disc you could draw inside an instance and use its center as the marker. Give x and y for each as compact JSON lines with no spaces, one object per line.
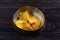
{"x":51,"y":9}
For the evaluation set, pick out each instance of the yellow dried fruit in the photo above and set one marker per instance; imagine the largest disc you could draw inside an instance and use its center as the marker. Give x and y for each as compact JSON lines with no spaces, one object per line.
{"x":28,"y":22}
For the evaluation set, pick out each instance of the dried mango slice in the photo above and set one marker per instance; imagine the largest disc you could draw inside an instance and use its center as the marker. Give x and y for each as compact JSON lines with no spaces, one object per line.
{"x":23,"y":16}
{"x":36,"y":23}
{"x":23,"y":25}
{"x":20,"y":24}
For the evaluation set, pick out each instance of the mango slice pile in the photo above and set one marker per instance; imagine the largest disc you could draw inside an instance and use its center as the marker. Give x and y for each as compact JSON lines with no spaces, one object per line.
{"x":28,"y":21}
